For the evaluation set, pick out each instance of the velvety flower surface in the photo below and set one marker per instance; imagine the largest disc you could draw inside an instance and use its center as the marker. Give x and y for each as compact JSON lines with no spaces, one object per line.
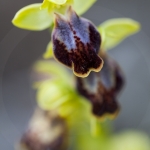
{"x":76,"y":43}
{"x":46,"y":130}
{"x":101,"y":88}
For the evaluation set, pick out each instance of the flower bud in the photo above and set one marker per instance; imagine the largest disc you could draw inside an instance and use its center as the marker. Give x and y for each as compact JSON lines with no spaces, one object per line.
{"x":76,"y":43}
{"x":46,"y":130}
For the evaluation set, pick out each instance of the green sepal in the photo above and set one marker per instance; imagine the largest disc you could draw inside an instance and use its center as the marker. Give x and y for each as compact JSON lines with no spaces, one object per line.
{"x":31,"y":17}
{"x":81,"y":6}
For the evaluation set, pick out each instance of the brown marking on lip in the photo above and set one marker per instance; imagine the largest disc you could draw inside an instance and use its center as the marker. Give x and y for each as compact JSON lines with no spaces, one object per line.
{"x":106,"y":104}
{"x":103,"y":101}
{"x":61,"y":53}
{"x":82,"y":60}
{"x":103,"y":98}
{"x":82,"y":53}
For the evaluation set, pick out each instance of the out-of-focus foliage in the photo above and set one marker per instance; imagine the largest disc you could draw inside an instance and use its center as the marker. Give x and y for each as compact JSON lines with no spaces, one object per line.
{"x":130,"y":140}
{"x":58,"y":93}
{"x":127,"y":140}
{"x":87,"y":132}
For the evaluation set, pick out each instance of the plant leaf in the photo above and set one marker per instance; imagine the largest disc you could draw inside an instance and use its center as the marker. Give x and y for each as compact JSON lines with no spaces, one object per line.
{"x":81,"y":6}
{"x":31,"y":17}
{"x":116,"y":30}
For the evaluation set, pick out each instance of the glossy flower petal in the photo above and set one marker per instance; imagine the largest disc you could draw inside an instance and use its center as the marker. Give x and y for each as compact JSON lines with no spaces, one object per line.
{"x":76,"y":43}
{"x":116,"y":30}
{"x":55,"y":91}
{"x":81,"y":6}
{"x":32,"y":18}
{"x":101,"y":88}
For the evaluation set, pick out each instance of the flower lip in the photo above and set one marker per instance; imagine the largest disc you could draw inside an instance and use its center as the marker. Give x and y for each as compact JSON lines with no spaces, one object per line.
{"x":102,"y":88}
{"x":76,"y":43}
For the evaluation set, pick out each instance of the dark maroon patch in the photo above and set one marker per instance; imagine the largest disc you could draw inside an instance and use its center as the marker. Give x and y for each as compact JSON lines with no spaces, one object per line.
{"x":84,"y":57}
{"x":95,"y":39}
{"x":119,"y":79}
{"x":61,"y":53}
{"x":106,"y":104}
{"x":103,"y":98}
{"x":76,"y":43}
{"x":103,"y":101}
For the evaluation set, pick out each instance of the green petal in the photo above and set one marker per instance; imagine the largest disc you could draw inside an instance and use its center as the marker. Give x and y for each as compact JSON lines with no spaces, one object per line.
{"x":102,"y":33}
{"x":116,"y":30}
{"x":32,"y":18}
{"x":49,"y":51}
{"x":58,"y":2}
{"x":81,"y":6}
{"x":45,"y":4}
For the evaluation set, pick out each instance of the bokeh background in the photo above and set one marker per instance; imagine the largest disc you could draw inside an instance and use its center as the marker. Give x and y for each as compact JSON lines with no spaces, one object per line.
{"x":19,"y":49}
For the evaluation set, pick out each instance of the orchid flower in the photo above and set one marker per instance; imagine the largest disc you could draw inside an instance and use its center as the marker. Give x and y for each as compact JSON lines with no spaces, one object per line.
{"x":77,"y":43}
{"x":81,"y":40}
{"x":89,"y":94}
{"x":102,"y":88}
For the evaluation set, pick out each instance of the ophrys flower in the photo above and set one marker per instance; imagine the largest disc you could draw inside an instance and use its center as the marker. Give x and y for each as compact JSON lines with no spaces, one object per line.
{"x":76,"y":43}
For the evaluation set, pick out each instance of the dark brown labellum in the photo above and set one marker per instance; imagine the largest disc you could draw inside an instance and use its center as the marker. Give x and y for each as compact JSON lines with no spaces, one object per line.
{"x":102,"y":88}
{"x":76,"y":43}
